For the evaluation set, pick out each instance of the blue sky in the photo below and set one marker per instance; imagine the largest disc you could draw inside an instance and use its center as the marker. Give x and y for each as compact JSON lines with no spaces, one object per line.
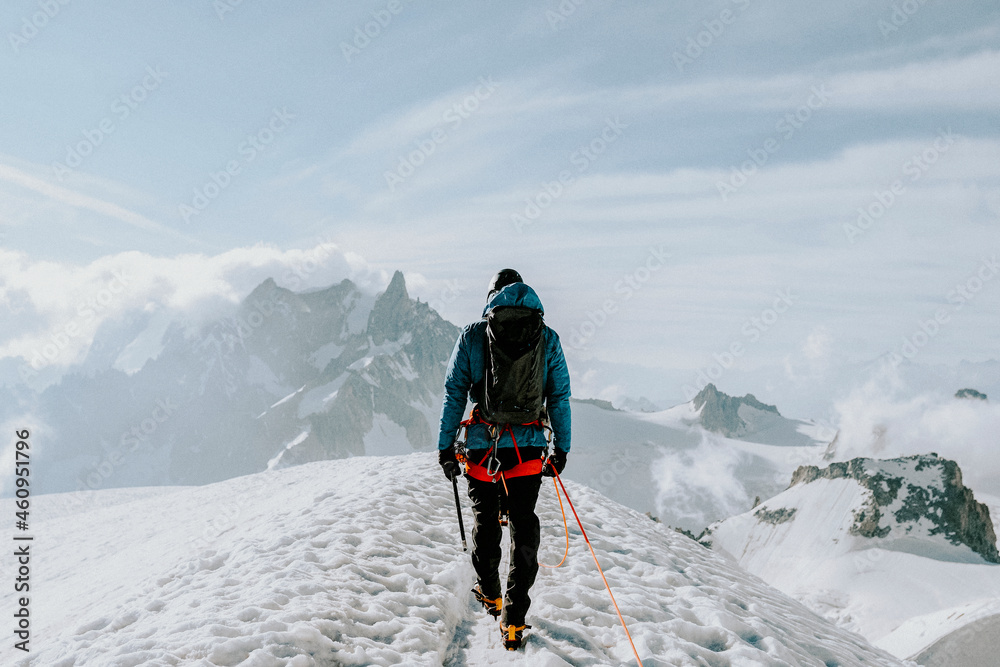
{"x":595,"y":146}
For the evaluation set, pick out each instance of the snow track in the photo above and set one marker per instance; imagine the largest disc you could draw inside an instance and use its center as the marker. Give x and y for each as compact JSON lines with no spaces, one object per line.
{"x":358,"y":562}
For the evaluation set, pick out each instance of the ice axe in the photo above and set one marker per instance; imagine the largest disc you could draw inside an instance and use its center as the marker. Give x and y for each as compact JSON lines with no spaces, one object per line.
{"x":458,"y":507}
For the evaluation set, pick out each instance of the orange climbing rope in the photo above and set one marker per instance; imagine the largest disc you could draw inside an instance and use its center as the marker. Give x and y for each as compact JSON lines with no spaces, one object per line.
{"x":580,"y":523}
{"x":565,"y":525}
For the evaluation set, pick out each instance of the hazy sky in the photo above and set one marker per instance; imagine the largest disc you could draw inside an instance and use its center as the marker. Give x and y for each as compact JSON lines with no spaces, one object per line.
{"x":800,"y":185}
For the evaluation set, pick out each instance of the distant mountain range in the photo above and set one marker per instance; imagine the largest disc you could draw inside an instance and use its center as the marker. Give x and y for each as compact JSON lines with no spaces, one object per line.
{"x":287,"y":378}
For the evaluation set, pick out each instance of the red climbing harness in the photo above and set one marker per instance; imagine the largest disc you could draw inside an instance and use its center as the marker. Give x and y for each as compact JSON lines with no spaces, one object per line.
{"x":487,"y":469}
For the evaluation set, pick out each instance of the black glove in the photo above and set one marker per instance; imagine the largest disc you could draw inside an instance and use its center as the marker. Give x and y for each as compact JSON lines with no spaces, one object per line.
{"x":554,"y":464}
{"x":449,"y":462}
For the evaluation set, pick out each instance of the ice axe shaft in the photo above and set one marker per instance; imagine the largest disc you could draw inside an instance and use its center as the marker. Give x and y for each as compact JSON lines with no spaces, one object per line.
{"x":458,"y":508}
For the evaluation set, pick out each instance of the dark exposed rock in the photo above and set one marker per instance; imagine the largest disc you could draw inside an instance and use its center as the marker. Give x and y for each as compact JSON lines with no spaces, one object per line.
{"x":720,"y":412}
{"x":949,"y":506}
{"x":775,"y":517}
{"x":686,"y":533}
{"x":603,"y":405}
{"x":970,"y":393}
{"x":391,"y":312}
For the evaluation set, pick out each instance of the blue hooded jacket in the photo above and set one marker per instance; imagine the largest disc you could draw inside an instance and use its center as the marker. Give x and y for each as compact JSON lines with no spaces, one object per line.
{"x":468,"y":367}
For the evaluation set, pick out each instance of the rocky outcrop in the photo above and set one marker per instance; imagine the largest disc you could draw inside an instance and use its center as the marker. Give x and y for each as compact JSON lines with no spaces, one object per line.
{"x":721,"y":413}
{"x":970,"y":393}
{"x":392,"y":312}
{"x":905,"y":492}
{"x":596,"y":402}
{"x":776,"y":517}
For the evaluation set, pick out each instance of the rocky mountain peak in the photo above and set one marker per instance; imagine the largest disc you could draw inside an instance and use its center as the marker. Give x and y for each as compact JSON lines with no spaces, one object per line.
{"x":906,"y":495}
{"x":388,"y":317}
{"x":721,"y":412}
{"x":267,"y":291}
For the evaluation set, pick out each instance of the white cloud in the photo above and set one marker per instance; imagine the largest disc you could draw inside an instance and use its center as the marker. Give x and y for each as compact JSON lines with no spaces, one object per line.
{"x":964,"y":83}
{"x":60,"y":307}
{"x":70,"y":198}
{"x":875,"y":422}
{"x":817,"y":346}
{"x":960,"y":82}
{"x":813,"y":359}
{"x":701,"y":483}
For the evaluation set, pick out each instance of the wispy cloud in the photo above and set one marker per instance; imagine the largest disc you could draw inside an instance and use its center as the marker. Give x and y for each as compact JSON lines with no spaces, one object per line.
{"x":77,"y":200}
{"x":966,"y":83}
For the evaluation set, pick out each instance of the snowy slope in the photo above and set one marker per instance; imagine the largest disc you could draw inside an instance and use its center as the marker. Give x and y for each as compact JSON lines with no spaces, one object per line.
{"x":357,"y":562}
{"x":967,"y":635}
{"x":823,"y":543}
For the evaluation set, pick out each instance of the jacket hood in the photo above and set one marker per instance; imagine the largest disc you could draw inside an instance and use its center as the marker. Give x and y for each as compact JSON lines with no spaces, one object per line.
{"x":515,"y":294}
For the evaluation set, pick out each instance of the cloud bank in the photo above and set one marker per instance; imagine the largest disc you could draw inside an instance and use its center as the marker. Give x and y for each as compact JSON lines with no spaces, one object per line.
{"x":876,"y":422}
{"x":53,"y":310}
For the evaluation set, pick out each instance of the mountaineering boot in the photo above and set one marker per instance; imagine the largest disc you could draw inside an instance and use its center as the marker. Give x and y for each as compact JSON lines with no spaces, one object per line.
{"x":491,"y":605}
{"x":512,"y":635}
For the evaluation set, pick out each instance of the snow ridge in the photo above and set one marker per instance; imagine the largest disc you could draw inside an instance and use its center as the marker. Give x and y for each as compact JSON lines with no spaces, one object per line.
{"x":358,"y":562}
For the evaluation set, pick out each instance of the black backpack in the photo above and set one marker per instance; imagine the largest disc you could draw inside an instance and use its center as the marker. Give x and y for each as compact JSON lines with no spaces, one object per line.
{"x":514,"y":391}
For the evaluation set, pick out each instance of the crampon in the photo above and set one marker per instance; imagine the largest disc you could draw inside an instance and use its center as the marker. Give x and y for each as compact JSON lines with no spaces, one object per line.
{"x":491,"y":605}
{"x":512,"y":636}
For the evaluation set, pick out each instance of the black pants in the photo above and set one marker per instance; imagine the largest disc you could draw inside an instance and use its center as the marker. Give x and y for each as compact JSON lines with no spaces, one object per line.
{"x":525,"y":536}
